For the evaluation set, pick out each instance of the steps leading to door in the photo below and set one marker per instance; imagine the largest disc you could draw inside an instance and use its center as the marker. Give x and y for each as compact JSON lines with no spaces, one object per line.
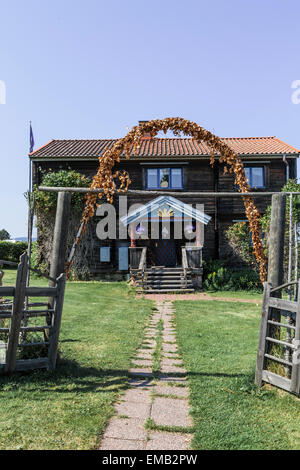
{"x":161,"y":279}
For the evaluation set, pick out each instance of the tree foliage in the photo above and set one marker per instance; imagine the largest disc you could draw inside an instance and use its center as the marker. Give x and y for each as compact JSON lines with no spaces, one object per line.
{"x":45,"y":202}
{"x":239,"y":238}
{"x":4,"y":235}
{"x":45,"y":206}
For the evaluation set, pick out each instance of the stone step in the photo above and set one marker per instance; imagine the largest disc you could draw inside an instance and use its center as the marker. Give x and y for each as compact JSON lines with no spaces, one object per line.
{"x":177,"y":274}
{"x":163,"y":270}
{"x":164,"y":282}
{"x":165,"y":291}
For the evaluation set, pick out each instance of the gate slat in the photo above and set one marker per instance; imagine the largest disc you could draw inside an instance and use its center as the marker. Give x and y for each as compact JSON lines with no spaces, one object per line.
{"x":17,"y":313}
{"x":262,"y":335}
{"x":295,"y":378}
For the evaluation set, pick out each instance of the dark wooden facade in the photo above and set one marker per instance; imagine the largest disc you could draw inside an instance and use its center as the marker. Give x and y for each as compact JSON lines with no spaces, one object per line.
{"x":197,"y":175}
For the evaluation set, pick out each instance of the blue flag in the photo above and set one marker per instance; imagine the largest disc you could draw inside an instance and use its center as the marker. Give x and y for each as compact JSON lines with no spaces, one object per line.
{"x":31,"y":140}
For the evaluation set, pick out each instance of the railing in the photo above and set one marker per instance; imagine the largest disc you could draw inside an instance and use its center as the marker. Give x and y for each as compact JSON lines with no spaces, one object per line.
{"x":185,"y":266}
{"x":192,"y":263}
{"x":143,"y":265}
{"x":138,"y":263}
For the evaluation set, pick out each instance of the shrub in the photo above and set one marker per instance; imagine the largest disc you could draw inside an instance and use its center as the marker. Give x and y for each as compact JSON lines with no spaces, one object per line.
{"x":239,"y":238}
{"x":45,"y":205}
{"x":46,"y":202}
{"x":10,"y":251}
{"x":217,"y":276}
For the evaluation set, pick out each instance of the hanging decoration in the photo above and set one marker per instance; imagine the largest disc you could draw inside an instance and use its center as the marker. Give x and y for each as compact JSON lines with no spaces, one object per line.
{"x":116,"y":182}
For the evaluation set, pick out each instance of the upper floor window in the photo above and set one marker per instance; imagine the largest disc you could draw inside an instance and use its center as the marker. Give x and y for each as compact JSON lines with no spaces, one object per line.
{"x":255,"y":176}
{"x":164,"y":178}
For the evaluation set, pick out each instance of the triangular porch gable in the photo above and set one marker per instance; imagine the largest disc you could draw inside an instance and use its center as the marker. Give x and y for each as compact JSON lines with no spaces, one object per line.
{"x":165,"y":206}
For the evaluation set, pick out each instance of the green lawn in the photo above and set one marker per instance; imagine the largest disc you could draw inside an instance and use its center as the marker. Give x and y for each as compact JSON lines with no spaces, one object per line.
{"x":218,"y":341}
{"x":239,"y":294}
{"x":68,"y":409}
{"x":102,"y":327}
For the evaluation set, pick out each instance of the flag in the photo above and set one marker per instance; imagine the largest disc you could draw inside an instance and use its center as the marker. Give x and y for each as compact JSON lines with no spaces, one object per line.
{"x":31,"y":140}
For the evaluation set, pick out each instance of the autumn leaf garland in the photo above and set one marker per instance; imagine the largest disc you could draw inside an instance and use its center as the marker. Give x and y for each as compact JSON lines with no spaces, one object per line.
{"x":115,"y":182}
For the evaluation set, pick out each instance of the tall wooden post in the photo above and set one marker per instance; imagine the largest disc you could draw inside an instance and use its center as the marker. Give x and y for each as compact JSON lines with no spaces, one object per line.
{"x":276,"y":240}
{"x":276,"y":252}
{"x":59,"y":246}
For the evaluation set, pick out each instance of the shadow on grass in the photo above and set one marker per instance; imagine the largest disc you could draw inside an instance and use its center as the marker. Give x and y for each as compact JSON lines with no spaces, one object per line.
{"x":71,"y":377}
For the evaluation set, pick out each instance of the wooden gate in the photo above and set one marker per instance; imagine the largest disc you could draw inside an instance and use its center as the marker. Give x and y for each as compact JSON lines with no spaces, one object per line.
{"x":20,"y":323}
{"x":278,"y":358}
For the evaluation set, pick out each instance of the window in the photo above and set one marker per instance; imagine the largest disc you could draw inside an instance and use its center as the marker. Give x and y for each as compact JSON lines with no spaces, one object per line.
{"x":255,"y":176}
{"x":164,"y":178}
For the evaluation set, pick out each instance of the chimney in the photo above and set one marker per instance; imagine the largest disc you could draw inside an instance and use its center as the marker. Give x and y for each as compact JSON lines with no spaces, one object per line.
{"x":147,"y":135}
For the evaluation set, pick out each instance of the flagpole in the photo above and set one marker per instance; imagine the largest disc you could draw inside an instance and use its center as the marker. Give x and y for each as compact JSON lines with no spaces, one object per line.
{"x":30,"y":201}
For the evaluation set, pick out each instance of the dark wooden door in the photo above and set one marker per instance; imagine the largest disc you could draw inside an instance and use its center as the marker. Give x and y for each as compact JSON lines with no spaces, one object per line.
{"x":165,"y":253}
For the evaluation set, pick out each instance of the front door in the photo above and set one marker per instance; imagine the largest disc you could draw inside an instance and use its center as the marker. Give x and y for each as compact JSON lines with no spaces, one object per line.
{"x":165,"y":253}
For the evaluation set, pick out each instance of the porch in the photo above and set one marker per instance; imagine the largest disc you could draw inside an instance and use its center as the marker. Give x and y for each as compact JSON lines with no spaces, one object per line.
{"x":163,"y":279}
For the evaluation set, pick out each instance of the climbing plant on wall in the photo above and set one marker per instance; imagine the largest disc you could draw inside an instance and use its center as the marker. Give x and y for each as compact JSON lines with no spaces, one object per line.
{"x":111,"y":182}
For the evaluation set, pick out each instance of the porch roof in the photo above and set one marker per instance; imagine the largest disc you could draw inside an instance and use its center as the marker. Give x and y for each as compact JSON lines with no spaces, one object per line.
{"x":173,"y":203}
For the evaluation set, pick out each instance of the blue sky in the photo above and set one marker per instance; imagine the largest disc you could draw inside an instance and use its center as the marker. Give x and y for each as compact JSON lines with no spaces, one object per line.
{"x":88,"y":69}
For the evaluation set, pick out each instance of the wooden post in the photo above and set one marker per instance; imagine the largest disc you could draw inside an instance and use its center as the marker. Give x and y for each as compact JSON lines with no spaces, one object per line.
{"x":276,"y":252}
{"x":198,"y":234}
{"x":56,"y":321}
{"x":59,"y":247}
{"x":276,"y":240}
{"x":17,"y":313}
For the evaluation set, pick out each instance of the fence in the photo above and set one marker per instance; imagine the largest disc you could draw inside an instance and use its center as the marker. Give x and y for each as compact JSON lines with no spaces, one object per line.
{"x":278,"y":358}
{"x":24,"y":342}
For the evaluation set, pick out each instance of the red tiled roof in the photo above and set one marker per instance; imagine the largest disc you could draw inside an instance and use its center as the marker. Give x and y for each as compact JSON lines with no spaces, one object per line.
{"x":163,"y":147}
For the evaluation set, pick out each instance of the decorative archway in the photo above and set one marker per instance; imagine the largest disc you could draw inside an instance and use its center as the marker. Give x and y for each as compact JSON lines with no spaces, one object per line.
{"x":117,"y":182}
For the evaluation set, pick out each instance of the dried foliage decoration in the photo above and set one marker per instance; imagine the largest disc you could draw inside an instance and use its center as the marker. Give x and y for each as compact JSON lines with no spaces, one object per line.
{"x":117,"y":182}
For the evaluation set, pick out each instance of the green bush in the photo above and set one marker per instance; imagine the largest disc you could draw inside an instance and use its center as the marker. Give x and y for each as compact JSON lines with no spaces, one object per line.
{"x":45,"y":202}
{"x":219,"y":277}
{"x":10,"y":251}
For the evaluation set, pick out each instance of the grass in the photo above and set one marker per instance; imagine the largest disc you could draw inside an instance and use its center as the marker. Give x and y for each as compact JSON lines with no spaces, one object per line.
{"x":69,"y":408}
{"x":218,"y":342}
{"x":239,"y":294}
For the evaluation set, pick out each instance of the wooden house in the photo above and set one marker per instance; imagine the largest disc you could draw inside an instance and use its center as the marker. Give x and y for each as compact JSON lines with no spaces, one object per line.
{"x":178,"y":166}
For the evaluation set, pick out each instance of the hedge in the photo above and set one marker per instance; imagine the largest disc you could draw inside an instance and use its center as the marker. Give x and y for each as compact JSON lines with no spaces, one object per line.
{"x":10,"y":251}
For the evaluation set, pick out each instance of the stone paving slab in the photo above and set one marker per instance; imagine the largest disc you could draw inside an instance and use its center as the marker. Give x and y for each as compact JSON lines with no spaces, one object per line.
{"x":168,"y":441}
{"x":170,"y":355}
{"x":138,"y":382}
{"x":139,"y":371}
{"x":147,"y":357}
{"x":170,"y":412}
{"x":122,"y":444}
{"x":145,"y":351}
{"x":142,"y":362}
{"x":121,"y":428}
{"x":169,"y":369}
{"x":169,"y":338}
{"x":171,"y":378}
{"x":149,"y":342}
{"x":136,"y":395}
{"x":169,"y":347}
{"x":167,"y":361}
{"x":167,"y":390}
{"x":133,"y":409}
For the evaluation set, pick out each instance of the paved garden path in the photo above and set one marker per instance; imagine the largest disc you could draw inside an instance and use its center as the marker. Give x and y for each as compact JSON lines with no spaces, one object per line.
{"x":154,"y":412}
